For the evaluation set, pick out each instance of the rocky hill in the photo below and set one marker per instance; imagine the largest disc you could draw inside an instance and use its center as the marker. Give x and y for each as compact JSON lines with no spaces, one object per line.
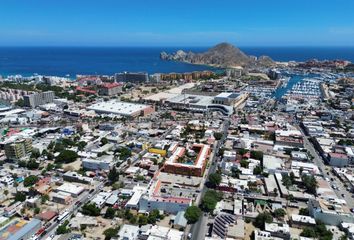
{"x":221,"y":55}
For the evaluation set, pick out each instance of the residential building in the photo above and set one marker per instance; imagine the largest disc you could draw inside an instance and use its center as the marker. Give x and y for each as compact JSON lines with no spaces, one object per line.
{"x":329,"y":212}
{"x":278,"y":230}
{"x":110,"y":89}
{"x":130,"y":77}
{"x":128,"y":232}
{"x":36,"y":99}
{"x":188,"y":166}
{"x":18,"y":149}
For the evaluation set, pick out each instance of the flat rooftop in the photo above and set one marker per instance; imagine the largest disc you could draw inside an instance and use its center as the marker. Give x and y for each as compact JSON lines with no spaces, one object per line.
{"x":192,"y":99}
{"x":117,"y":107}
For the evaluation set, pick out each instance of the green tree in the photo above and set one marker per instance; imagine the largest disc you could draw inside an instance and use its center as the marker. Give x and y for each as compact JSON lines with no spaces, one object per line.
{"x":308,"y":232}
{"x":215,"y":179}
{"x":258,"y":155}
{"x":81,"y":145}
{"x":110,"y":233}
{"x":286,"y":180}
{"x":20,"y":197}
{"x":124,"y":153}
{"x":192,"y":214}
{"x":51,"y":145}
{"x":110,"y":213}
{"x":218,"y":135}
{"x":32,"y":164}
{"x":279,"y":213}
{"x":50,"y":167}
{"x":113,"y":175}
{"x":104,"y":141}
{"x":153,"y":216}
{"x":304,"y":211}
{"x":91,"y":210}
{"x":58,"y":147}
{"x":50,"y":156}
{"x":262,"y":218}
{"x":343,"y":237}
{"x":133,"y":220}
{"x":242,"y":151}
{"x":143,"y":220}
{"x":22,"y":164}
{"x":44,"y":198}
{"x":319,"y":231}
{"x":37,"y":210}
{"x":257,"y":170}
{"x":66,"y":156}
{"x":30,"y":181}
{"x":62,"y":229}
{"x":244,"y":163}
{"x":209,"y":201}
{"x":310,"y":183}
{"x":35,"y":154}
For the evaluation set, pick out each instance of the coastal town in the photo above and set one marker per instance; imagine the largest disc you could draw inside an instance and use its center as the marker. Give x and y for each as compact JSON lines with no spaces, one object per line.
{"x":259,"y":152}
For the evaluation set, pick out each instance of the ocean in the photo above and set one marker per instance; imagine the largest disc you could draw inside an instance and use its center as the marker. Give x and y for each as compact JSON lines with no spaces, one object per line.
{"x":63,"y":61}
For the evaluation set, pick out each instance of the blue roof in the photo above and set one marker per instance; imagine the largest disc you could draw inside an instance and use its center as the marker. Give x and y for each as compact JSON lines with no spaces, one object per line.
{"x":180,"y":219}
{"x":30,"y":227}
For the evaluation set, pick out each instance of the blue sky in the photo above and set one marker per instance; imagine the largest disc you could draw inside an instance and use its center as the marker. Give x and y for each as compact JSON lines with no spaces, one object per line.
{"x":176,"y":22}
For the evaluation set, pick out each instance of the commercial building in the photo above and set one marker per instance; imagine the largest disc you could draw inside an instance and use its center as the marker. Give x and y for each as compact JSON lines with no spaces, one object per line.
{"x":75,"y":177}
{"x":18,"y":149}
{"x":289,"y":138}
{"x":110,"y":89}
{"x":131,"y":77}
{"x":153,"y":199}
{"x":104,"y":162}
{"x":180,"y":163}
{"x":37,"y":99}
{"x":230,"y":99}
{"x":20,"y":229}
{"x":338,"y":159}
{"x":329,"y":212}
{"x":125,"y":109}
{"x":72,"y":189}
{"x":62,"y":198}
{"x":224,"y":102}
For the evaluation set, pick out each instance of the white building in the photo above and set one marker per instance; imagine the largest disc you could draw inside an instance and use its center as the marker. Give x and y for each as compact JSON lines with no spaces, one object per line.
{"x":103,"y":163}
{"x":153,"y":200}
{"x":121,"y":108}
{"x":128,"y":232}
{"x":72,"y":189}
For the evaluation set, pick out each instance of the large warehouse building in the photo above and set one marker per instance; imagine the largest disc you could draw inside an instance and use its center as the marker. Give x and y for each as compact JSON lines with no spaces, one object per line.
{"x":122,"y":108}
{"x":223,"y":102}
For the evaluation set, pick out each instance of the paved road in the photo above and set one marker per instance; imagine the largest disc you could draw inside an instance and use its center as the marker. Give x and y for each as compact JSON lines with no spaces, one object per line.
{"x":198,"y":230}
{"x":73,"y":209}
{"x":326,"y":172}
